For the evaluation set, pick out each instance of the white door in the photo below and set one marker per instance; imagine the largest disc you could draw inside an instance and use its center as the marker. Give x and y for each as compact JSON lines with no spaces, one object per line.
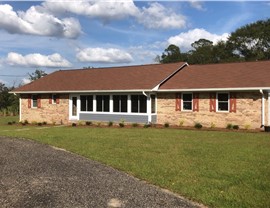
{"x":74,"y":107}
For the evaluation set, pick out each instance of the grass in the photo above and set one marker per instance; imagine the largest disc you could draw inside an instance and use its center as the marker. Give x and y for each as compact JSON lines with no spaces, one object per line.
{"x":218,"y":169}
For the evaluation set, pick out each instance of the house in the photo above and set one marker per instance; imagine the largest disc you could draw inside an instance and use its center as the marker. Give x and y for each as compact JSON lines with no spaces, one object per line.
{"x":212,"y":94}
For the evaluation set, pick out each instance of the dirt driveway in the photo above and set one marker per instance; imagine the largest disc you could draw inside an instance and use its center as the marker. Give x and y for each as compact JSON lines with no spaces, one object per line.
{"x":37,"y":175}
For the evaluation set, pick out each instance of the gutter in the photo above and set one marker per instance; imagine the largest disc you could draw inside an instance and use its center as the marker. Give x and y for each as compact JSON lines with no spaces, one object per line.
{"x":263,"y":119}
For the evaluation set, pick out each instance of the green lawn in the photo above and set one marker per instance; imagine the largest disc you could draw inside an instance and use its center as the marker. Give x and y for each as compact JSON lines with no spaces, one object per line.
{"x":218,"y":169}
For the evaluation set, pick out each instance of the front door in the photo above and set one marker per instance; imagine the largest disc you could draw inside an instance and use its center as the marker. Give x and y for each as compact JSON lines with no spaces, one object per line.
{"x":73,"y":107}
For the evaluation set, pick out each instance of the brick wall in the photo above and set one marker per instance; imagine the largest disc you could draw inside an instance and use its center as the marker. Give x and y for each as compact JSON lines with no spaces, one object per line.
{"x":50,"y":113}
{"x":248,"y":111}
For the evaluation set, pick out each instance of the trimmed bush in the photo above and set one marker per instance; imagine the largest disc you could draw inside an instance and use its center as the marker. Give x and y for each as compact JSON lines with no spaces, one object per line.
{"x":235,"y":127}
{"x":39,"y":124}
{"x":146,"y":125}
{"x":73,"y":124}
{"x":198,"y":125}
{"x":229,"y":126}
{"x":9,"y":123}
{"x":110,"y":123}
{"x":44,"y":123}
{"x":88,"y":123}
{"x":166,"y":125}
{"x":135,"y":125}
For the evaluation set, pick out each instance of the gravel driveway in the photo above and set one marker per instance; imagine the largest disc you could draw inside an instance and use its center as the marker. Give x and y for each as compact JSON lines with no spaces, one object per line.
{"x":38,"y":175}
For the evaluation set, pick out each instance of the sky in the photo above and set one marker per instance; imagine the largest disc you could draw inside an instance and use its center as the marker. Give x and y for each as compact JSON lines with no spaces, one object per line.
{"x":58,"y":35}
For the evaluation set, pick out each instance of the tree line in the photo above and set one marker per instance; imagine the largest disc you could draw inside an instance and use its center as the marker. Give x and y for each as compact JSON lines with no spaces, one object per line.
{"x":248,"y":43}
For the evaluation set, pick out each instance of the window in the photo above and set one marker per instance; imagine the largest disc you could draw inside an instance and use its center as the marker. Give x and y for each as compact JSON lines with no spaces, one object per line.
{"x":119,"y":103}
{"x":103,"y":103}
{"x":223,"y":101}
{"x":86,"y":102}
{"x":138,"y":103}
{"x":54,"y":99}
{"x":34,"y":101}
{"x":153,"y":104}
{"x":187,"y":101}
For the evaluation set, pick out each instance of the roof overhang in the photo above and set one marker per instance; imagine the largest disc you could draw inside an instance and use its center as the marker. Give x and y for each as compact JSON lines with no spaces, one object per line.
{"x":216,"y":89}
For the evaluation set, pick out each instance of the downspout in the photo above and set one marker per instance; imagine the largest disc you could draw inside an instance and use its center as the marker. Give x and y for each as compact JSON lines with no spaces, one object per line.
{"x":263,"y":119}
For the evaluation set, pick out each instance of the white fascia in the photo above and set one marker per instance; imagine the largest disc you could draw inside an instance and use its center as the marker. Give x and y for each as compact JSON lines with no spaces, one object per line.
{"x":215,"y":89}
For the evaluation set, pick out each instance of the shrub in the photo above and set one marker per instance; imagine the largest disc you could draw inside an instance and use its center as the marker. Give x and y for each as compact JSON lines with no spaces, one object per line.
{"x":213,"y":125}
{"x":34,"y":123}
{"x":229,"y":126}
{"x":135,"y":125}
{"x":122,"y":123}
{"x":26,"y":122}
{"x":80,"y":123}
{"x":198,"y":125}
{"x":247,"y":126}
{"x":73,"y":124}
{"x":235,"y":127}
{"x":9,"y":123}
{"x":44,"y":123}
{"x":39,"y":124}
{"x":13,"y":122}
{"x":147,"y":125}
{"x":88,"y":123}
{"x":181,"y":123}
{"x":166,"y":125}
{"x":110,"y":123}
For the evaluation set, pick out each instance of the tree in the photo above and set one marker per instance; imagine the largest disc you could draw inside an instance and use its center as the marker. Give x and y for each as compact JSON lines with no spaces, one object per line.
{"x":171,"y":54}
{"x":9,"y":103}
{"x":203,"y":53}
{"x":252,"y":41}
{"x":37,"y":75}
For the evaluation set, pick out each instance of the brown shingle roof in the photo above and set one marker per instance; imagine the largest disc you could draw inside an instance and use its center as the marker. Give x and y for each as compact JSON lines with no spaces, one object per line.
{"x":228,"y":75}
{"x":144,"y":77}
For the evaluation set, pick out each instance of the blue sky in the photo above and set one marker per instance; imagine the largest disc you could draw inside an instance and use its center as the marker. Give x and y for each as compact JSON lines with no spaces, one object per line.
{"x":53,"y":35}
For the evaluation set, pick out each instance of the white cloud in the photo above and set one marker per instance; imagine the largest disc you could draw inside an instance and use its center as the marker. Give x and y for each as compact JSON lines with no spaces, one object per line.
{"x":36,"y":60}
{"x":37,"y":22}
{"x":197,"y":5}
{"x":184,"y":39}
{"x":156,"y":16}
{"x":25,"y":81}
{"x":106,"y":10}
{"x":103,"y":55}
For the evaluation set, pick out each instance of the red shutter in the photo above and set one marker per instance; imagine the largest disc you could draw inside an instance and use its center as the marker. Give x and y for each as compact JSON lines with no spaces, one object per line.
{"x":29,"y":101}
{"x":233,"y":102}
{"x":50,"y":98}
{"x":39,"y":101}
{"x":178,"y":102}
{"x":57,"y":99}
{"x":212,"y":102}
{"x":196,"y":102}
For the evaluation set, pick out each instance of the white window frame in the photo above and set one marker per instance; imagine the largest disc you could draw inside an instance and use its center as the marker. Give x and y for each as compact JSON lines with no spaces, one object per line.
{"x":182,"y":101}
{"x":32,"y":101}
{"x":217,"y":102}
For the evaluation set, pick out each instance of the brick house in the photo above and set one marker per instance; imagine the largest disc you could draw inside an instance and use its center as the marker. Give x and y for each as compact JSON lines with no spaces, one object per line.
{"x":213,"y":94}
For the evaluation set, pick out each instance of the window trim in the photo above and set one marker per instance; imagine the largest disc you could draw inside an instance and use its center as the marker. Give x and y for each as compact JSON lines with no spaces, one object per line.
{"x":217,"y":102}
{"x":86,"y":103}
{"x":182,"y":101}
{"x":54,"y":99}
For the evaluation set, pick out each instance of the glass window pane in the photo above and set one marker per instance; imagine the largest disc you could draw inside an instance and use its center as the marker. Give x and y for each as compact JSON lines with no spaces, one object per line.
{"x":99,"y":103}
{"x":106,"y":103}
{"x":223,"y":106}
{"x":90,"y":103}
{"x":187,"y":105}
{"x":134,"y":103}
{"x":116,"y":103}
{"x":74,"y":106}
{"x":143,"y":100}
{"x":187,"y":97}
{"x":83,"y":103}
{"x":223,"y":97}
{"x":123,"y":103}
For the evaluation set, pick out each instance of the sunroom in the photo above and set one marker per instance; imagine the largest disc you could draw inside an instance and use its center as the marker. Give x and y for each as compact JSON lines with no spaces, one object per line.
{"x":116,"y":107}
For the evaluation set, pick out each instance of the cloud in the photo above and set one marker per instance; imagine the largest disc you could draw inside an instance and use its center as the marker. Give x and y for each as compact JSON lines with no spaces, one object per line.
{"x":184,"y":39}
{"x":105,"y":10}
{"x":36,"y":60}
{"x":197,"y":5}
{"x":25,"y":81}
{"x":103,"y":55}
{"x":156,"y":16}
{"x":37,"y":22}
